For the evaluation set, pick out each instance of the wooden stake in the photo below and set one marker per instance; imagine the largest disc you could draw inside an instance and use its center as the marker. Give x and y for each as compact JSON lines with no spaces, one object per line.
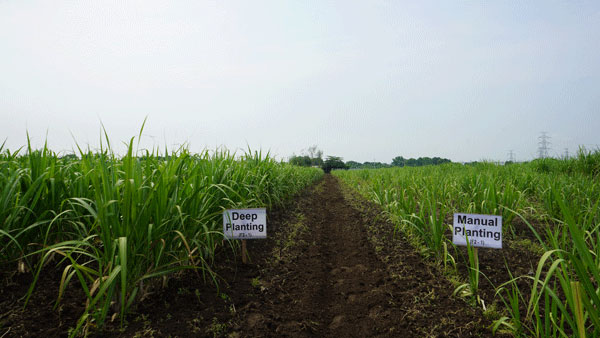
{"x":244,"y":252}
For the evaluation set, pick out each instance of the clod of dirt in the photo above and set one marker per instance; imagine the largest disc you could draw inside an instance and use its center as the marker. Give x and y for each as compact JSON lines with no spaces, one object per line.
{"x":337,"y":322}
{"x":358,"y":268}
{"x":254,"y":319}
{"x":352,"y":298}
{"x":289,"y":327}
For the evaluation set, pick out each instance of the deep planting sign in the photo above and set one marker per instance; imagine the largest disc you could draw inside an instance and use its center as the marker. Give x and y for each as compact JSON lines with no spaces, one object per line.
{"x":245,"y":223}
{"x":481,"y":230}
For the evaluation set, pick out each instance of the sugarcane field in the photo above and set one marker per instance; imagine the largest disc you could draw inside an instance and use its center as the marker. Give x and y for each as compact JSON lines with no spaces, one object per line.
{"x":299,"y":169}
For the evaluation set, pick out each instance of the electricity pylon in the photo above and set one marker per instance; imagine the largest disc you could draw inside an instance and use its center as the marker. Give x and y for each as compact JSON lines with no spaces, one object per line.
{"x":543,"y":145}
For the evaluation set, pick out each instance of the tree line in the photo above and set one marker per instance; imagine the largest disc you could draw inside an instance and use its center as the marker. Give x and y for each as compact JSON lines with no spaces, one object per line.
{"x":399,"y":161}
{"x":314,"y":158}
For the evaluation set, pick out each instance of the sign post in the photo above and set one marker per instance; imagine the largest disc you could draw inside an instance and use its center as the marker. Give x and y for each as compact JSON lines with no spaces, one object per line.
{"x":244,"y":252}
{"x":476,"y":231}
{"x":245,"y":224}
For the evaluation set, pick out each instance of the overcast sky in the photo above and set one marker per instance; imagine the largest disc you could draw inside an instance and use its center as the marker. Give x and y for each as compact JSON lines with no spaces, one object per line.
{"x":364,"y":80}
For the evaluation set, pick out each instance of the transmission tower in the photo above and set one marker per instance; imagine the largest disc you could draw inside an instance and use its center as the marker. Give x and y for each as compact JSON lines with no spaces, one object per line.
{"x":543,"y":145}
{"x":511,"y":156}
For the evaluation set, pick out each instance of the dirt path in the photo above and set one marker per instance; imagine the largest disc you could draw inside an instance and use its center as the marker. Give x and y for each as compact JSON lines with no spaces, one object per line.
{"x":327,"y":278}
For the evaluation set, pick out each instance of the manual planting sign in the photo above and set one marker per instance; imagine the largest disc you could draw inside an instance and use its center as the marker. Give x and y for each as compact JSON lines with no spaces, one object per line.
{"x":245,"y":223}
{"x":483,"y":231}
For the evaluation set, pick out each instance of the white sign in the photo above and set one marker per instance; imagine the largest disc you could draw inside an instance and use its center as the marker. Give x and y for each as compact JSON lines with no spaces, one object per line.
{"x":481,"y":230}
{"x":245,"y":223}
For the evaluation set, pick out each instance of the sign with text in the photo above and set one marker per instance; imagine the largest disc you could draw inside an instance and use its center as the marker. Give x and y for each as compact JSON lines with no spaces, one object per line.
{"x":245,"y":223}
{"x":483,"y":231}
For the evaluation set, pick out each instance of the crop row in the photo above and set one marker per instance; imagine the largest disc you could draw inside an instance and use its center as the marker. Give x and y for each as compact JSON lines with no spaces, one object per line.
{"x":556,"y":201}
{"x":113,"y":224}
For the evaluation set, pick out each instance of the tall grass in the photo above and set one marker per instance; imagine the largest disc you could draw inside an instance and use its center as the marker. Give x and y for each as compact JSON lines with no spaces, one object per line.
{"x":115,"y":224}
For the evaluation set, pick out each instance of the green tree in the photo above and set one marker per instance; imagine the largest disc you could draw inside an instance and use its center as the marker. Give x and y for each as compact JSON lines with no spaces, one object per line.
{"x":303,"y":161}
{"x":398,"y":161}
{"x":353,"y":165}
{"x":314,"y":158}
{"x":333,"y":162}
{"x":374,"y":165}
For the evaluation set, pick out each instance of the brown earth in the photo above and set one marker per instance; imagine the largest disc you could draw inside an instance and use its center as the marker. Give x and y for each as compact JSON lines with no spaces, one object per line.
{"x":327,"y":270}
